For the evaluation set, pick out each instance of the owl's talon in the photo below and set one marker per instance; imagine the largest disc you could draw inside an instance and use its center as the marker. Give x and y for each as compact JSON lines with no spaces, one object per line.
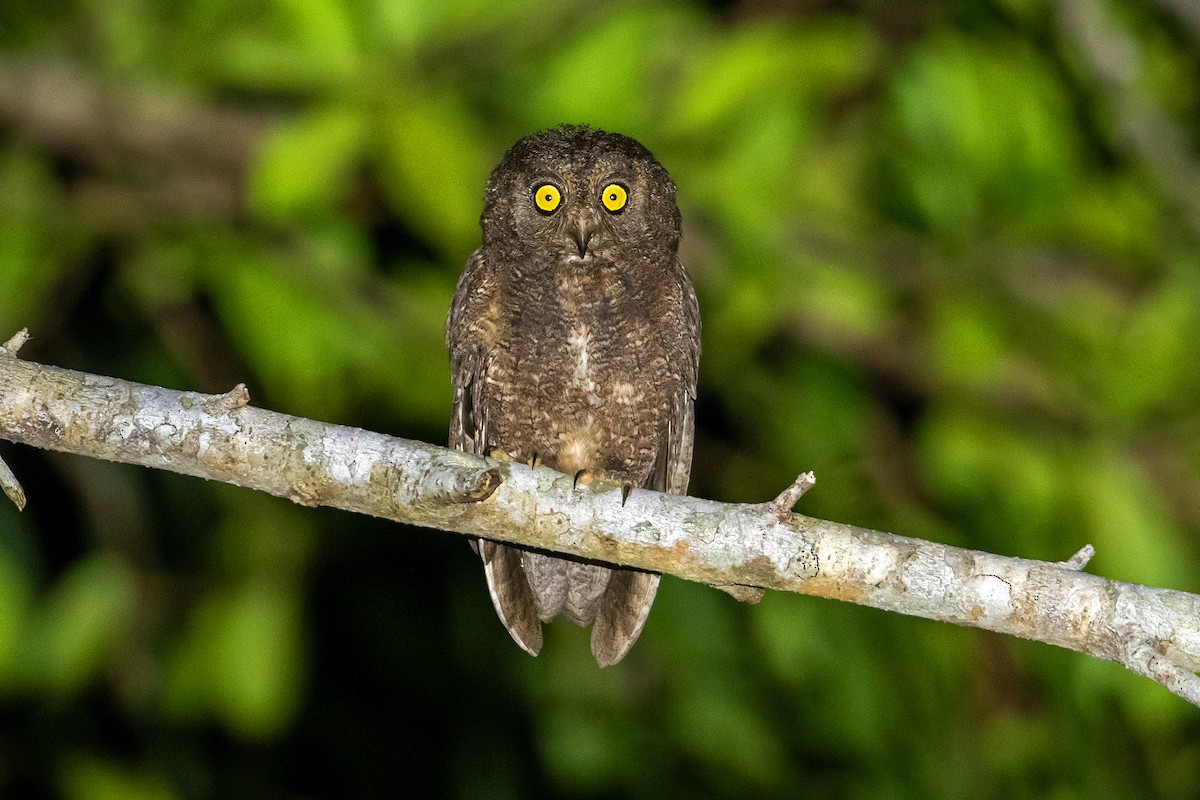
{"x":626,"y":490}
{"x":498,"y":454}
{"x":584,"y":476}
{"x":535,"y":460}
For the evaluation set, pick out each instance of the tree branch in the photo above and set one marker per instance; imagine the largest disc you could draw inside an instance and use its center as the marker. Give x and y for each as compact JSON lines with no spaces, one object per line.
{"x":1154,"y":632}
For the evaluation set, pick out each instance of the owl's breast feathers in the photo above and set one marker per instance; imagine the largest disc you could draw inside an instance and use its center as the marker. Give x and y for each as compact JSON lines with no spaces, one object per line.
{"x":582,"y":365}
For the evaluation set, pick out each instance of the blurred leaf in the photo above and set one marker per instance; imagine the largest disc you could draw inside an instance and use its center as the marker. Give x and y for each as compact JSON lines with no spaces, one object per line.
{"x":584,"y":749}
{"x":736,"y":72}
{"x":844,"y":299}
{"x":16,"y":601}
{"x":1135,"y":538}
{"x":746,"y":315}
{"x":740,"y":71}
{"x":696,"y":628}
{"x":28,"y":233}
{"x":79,"y":628}
{"x":292,"y":44}
{"x":815,"y":418}
{"x":27,"y":22}
{"x":1151,"y":366}
{"x":86,"y":778}
{"x":284,"y":324}
{"x":260,"y":660}
{"x":305,"y":162}
{"x":758,"y":173}
{"x":1116,"y":217}
{"x":832,"y":655}
{"x":410,"y":25}
{"x":263,"y":537}
{"x":1010,"y":482}
{"x":609,"y":73}
{"x":241,"y":660}
{"x":983,"y":130}
{"x":730,"y":739}
{"x":319,"y":331}
{"x":126,"y":30}
{"x":434,"y":172}
{"x":792,"y":639}
{"x":968,"y":343}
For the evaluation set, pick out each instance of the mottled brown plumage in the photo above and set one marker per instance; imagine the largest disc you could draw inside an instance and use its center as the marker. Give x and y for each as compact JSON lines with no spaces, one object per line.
{"x":574,"y":339}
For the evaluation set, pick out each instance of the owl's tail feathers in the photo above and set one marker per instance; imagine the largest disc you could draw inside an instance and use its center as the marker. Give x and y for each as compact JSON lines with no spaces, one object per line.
{"x":623,"y":611}
{"x":511,"y":594}
{"x":620,"y":611}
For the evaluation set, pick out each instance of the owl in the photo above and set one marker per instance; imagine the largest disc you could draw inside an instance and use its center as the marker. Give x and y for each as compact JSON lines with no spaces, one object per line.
{"x":574,"y":340}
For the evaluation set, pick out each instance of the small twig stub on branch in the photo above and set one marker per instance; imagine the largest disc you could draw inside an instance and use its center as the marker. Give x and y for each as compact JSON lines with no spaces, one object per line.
{"x":787,"y":499}
{"x":16,"y":342}
{"x":1081,"y":558}
{"x":8,"y":482}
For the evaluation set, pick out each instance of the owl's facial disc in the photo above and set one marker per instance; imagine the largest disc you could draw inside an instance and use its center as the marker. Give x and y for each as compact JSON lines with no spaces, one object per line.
{"x":582,"y":225}
{"x":579,"y":208}
{"x":586,"y":219}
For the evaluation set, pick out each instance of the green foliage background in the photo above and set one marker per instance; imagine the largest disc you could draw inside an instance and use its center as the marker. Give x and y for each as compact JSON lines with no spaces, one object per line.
{"x":947,"y":256}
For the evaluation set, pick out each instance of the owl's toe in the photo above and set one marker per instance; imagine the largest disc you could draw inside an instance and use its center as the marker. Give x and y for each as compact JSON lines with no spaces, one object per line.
{"x":585,"y":477}
{"x":499,"y":454}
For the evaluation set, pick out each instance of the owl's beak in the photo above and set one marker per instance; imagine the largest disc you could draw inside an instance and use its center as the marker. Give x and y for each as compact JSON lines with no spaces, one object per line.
{"x":581,"y":228}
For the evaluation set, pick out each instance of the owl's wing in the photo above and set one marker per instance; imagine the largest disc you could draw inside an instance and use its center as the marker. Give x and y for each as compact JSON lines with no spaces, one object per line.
{"x":468,"y":429}
{"x":673,"y":465}
{"x":630,"y":593}
{"x":507,"y":585}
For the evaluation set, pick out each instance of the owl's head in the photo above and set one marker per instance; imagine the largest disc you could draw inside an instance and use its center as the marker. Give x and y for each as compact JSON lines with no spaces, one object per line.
{"x":577,"y":194}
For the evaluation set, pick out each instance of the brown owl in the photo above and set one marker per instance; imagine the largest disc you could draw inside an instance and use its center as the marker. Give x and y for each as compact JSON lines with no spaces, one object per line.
{"x":574,"y":341}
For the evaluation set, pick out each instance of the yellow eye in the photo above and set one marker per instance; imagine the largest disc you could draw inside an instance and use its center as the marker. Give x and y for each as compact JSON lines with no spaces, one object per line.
{"x":547,"y":197}
{"x":614,"y":197}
